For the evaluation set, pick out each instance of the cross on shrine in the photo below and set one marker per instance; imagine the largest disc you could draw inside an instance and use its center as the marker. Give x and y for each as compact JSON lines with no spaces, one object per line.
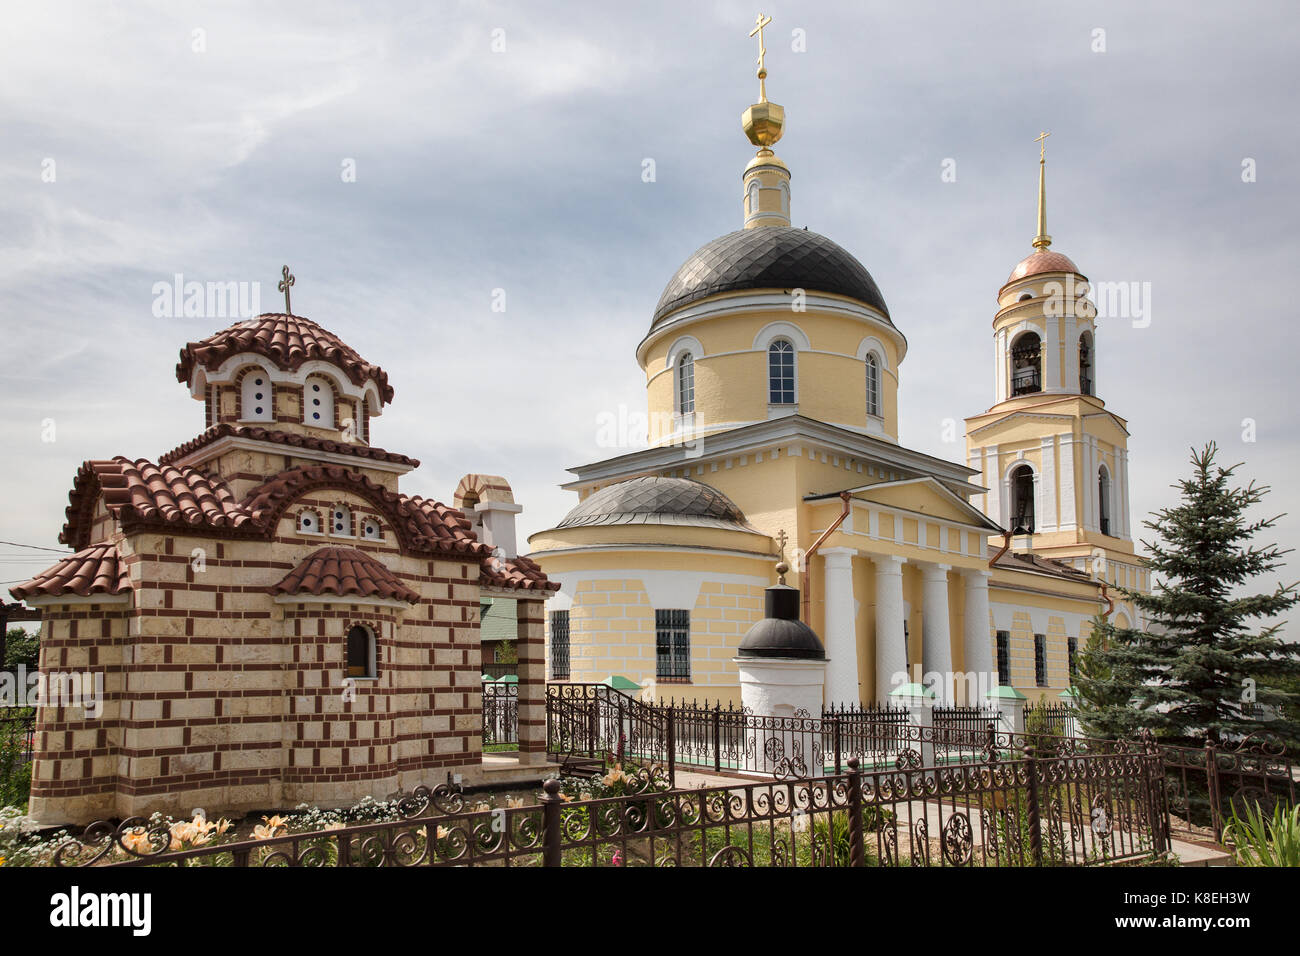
{"x":284,"y":285}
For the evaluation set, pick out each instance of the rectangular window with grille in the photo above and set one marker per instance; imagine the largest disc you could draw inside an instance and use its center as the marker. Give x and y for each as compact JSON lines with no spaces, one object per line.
{"x":1073,"y":646}
{"x":673,"y":646}
{"x":1004,"y":658}
{"x":1040,"y":660}
{"x":559,"y":645}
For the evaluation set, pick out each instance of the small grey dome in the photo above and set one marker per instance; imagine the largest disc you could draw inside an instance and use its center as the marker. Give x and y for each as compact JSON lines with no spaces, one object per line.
{"x":769,"y":257}
{"x":780,"y":633}
{"x":652,"y":500}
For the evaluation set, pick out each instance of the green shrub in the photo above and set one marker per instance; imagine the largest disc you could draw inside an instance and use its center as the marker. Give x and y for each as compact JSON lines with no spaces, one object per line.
{"x":1263,"y":841}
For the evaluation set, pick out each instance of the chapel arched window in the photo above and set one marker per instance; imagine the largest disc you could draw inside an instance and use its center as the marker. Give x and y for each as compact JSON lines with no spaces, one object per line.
{"x":1022,"y":500}
{"x":317,"y":402}
{"x":873,"y":385}
{"x":1026,"y":364}
{"x":1085,"y":363}
{"x":780,"y":373}
{"x":256,"y":397}
{"x":686,"y":384}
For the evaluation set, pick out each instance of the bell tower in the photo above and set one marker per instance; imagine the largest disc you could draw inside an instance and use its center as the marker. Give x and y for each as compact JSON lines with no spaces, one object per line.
{"x":1053,"y":458}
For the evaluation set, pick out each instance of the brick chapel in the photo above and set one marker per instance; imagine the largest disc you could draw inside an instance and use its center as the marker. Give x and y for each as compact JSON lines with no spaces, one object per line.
{"x":274,"y":620}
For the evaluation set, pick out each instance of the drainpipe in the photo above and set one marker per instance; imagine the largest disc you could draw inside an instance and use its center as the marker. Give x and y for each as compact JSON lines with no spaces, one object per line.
{"x":1006,"y":546}
{"x":806,"y":583}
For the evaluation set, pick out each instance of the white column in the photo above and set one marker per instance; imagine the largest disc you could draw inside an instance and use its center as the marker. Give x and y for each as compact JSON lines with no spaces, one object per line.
{"x":1071,"y":352}
{"x":936,"y":638}
{"x":841,"y":632}
{"x":1051,"y":355}
{"x":976,"y":638}
{"x":891,"y":654}
{"x":993,"y":481}
{"x":1069,"y":514}
{"x":1047,"y":448}
{"x":1121,"y":459}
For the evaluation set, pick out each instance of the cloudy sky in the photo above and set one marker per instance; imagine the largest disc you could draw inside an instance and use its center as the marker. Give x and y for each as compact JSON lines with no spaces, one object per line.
{"x":501,"y":146}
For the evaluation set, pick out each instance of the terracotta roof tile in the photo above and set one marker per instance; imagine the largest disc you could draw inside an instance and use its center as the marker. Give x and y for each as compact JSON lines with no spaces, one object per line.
{"x":140,"y":492}
{"x":520,"y":574}
{"x":288,"y":341}
{"x":289,"y":439}
{"x":94,"y":570}
{"x":423,"y":524}
{"x":344,"y":571}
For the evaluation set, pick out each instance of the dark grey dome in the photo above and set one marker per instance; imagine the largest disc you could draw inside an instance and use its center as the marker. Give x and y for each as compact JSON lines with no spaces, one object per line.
{"x":780,"y":633}
{"x":653,"y":500}
{"x":769,"y":257}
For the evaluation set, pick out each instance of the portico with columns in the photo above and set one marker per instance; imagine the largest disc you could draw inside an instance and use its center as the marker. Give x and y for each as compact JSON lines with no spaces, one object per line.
{"x":905,"y":593}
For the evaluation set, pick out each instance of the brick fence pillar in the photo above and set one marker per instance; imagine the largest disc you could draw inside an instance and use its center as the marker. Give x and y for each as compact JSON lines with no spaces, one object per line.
{"x":530,"y":641}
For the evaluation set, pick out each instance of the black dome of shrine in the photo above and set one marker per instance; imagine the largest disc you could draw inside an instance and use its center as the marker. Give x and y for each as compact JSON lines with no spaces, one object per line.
{"x":780,"y":633}
{"x":769,"y":257}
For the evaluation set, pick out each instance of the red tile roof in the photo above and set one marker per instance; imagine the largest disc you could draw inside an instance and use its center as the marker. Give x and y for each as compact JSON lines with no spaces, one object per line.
{"x":288,"y":341}
{"x":423,"y":524}
{"x":520,"y":574}
{"x":285,"y":438}
{"x":140,"y":492}
{"x":94,"y":570}
{"x":344,"y":571}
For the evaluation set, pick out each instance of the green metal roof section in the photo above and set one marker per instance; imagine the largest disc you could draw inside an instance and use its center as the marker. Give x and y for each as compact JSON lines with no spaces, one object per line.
{"x":498,"y":620}
{"x":1004,"y":692}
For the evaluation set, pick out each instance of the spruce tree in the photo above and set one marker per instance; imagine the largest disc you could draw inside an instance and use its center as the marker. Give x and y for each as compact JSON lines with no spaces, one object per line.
{"x":1206,"y":651}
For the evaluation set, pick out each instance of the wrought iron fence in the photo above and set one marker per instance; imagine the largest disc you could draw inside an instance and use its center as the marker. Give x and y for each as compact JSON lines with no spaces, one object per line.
{"x":1206,"y":784}
{"x":500,"y":713}
{"x":1050,"y":717}
{"x":497,"y":671}
{"x":17,"y":745}
{"x":593,"y":720}
{"x":1083,"y":810}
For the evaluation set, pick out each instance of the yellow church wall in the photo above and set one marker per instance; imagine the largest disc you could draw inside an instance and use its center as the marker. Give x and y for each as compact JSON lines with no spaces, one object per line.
{"x":731,"y":382}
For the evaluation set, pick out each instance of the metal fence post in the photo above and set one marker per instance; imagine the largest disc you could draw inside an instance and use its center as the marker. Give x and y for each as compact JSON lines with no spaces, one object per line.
{"x":593,"y":724}
{"x":551,"y":823}
{"x":835,"y":739}
{"x":1212,"y":786}
{"x":672,"y":746}
{"x":857,"y":851}
{"x":1031,"y":799}
{"x":717,"y":736}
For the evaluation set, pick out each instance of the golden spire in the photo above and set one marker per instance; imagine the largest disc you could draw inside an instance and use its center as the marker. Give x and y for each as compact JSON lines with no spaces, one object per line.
{"x":763,"y":121}
{"x":1042,"y":240}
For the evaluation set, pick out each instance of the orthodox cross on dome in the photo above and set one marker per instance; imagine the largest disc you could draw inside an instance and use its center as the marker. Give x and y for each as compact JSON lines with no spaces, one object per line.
{"x":1041,"y":139}
{"x":781,"y":567}
{"x":761,"y":22}
{"x":1042,"y":240}
{"x":286,"y":281}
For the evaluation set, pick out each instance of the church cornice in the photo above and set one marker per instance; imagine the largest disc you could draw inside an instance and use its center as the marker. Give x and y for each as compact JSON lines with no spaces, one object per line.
{"x":775,"y":433}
